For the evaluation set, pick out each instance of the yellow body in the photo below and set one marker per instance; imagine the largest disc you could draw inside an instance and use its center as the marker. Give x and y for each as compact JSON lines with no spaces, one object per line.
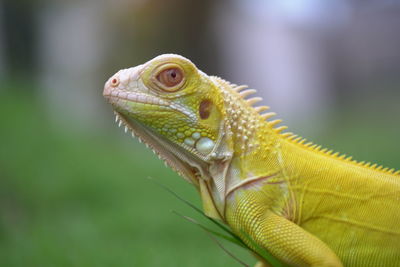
{"x":351,"y":208}
{"x":305,"y":205}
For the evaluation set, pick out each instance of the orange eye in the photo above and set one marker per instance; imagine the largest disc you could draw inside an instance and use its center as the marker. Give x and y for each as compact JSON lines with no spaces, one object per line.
{"x":114,"y":82}
{"x":170,"y":77}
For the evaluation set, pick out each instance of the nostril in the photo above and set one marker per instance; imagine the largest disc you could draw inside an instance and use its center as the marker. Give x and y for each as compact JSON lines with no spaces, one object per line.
{"x":114,"y":82}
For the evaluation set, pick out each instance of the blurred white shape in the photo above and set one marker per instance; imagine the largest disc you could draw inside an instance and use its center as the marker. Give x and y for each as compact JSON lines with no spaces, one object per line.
{"x":370,"y":46}
{"x":72,"y":47}
{"x":312,"y":13}
{"x":309,"y":13}
{"x":279,"y":48}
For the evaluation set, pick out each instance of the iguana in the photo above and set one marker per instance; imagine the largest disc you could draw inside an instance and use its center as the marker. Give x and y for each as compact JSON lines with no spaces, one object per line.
{"x":304,"y":204}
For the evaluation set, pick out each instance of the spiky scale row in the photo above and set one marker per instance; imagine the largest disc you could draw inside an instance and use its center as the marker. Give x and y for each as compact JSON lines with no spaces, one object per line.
{"x":294,"y":138}
{"x":337,"y":155}
{"x":121,"y":121}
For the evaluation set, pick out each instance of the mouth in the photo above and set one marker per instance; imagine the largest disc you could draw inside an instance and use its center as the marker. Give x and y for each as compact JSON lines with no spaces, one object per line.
{"x":116,"y":95}
{"x":162,"y":148}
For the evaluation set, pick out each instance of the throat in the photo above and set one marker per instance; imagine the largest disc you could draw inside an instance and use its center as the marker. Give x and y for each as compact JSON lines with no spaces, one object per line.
{"x":186,"y":165}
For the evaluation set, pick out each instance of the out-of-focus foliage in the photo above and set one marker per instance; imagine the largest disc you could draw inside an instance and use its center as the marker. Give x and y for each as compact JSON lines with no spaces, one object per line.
{"x":85,"y":200}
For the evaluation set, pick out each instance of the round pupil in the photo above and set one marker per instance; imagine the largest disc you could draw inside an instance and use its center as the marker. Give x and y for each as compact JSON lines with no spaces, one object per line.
{"x":170,"y":77}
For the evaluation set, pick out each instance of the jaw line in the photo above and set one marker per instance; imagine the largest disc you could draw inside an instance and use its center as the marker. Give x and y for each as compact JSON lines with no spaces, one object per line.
{"x":143,"y":98}
{"x":186,"y":165}
{"x":114,"y":95}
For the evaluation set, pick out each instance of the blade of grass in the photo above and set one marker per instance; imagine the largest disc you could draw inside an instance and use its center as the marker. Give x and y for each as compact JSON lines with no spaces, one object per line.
{"x":210,"y":234}
{"x":226,"y":237}
{"x":223,"y":227}
{"x":258,"y":250}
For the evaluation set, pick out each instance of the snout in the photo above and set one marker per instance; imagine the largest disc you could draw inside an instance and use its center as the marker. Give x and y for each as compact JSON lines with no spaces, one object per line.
{"x":123,"y":87}
{"x":107,"y":90}
{"x":123,"y":80}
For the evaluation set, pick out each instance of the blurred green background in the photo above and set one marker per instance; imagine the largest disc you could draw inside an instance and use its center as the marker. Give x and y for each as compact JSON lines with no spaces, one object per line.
{"x":74,"y":188}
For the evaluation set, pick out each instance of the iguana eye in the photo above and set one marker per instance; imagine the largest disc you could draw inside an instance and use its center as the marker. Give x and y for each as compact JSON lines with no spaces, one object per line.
{"x":170,"y":78}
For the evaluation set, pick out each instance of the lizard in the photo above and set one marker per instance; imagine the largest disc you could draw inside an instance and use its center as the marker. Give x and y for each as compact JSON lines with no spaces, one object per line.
{"x":305,"y":204}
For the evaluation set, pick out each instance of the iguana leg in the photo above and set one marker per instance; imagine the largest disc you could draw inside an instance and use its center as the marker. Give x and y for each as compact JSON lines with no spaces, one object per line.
{"x":290,"y":243}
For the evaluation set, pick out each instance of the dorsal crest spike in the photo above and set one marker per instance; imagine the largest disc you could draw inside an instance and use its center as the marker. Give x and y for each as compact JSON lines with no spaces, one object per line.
{"x":274,"y":122}
{"x":247,"y":92}
{"x":309,"y":144}
{"x":226,"y":83}
{"x":302,"y":141}
{"x":268,"y":115}
{"x":280,"y":129}
{"x":261,"y":109}
{"x":298,"y":139}
{"x":239,"y":88}
{"x":287,"y":135}
{"x":253,"y":100}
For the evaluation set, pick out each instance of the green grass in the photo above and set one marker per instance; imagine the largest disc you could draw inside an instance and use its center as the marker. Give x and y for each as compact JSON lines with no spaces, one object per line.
{"x":69,"y":199}
{"x":85,"y":200}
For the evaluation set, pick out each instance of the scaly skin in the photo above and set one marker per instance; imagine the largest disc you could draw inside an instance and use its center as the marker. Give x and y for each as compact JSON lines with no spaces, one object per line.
{"x":305,"y":205}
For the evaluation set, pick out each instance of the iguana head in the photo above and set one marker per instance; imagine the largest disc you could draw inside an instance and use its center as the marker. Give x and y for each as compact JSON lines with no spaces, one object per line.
{"x":200,"y":125}
{"x":175,"y":109}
